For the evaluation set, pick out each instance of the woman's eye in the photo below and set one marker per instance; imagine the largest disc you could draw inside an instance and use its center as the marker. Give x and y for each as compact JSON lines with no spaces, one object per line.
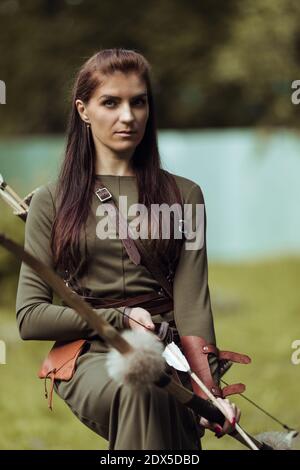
{"x":140,"y":102}
{"x":109,"y":103}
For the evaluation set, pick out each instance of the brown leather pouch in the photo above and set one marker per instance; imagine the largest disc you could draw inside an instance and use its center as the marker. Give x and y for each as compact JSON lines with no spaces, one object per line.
{"x":60,"y":364}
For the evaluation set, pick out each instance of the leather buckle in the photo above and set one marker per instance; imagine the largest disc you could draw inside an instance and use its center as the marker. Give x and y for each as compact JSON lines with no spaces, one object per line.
{"x":103,"y":194}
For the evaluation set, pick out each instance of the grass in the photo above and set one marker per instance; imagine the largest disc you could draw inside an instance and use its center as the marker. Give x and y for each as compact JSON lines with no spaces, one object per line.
{"x":256,"y":309}
{"x":263,"y":324}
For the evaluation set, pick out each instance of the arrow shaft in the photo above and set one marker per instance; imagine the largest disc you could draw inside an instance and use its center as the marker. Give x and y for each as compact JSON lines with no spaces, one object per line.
{"x":238,"y":428}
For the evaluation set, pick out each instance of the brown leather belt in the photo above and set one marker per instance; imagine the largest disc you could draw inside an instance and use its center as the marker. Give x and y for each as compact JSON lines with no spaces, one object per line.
{"x":153,"y":302}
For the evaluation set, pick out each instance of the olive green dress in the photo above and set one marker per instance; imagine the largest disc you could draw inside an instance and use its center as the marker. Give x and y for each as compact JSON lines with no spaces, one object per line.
{"x":146,"y":418}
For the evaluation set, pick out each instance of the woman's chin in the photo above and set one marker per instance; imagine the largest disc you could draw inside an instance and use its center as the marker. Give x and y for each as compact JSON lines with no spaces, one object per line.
{"x":124,"y":146}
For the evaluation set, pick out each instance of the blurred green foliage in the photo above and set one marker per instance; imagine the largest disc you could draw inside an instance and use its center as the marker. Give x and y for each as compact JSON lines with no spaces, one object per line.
{"x":214,"y":63}
{"x":12,"y":227}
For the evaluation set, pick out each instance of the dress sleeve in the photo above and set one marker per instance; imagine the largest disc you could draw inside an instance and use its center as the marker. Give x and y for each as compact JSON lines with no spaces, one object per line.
{"x":192,"y":305}
{"x":37,"y":317}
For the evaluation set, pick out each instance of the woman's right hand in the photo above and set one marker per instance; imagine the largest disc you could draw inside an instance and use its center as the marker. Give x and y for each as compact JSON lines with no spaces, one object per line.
{"x":142,"y":316}
{"x":233,"y":412}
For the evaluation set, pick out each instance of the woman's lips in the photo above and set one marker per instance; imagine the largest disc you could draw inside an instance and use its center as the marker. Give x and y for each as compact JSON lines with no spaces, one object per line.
{"x":126,"y":134}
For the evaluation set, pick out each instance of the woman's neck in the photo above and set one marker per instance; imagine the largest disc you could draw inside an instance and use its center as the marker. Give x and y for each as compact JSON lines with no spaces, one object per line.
{"x":114,"y":166}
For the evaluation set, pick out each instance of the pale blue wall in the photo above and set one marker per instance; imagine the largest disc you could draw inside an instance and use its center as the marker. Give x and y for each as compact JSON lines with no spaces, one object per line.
{"x":250,"y":182}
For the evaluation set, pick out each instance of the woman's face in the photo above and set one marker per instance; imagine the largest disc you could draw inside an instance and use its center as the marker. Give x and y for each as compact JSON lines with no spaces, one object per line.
{"x":118,"y":104}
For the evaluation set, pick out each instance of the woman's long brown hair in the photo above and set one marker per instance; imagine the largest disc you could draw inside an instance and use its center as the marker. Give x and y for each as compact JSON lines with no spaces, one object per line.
{"x":77,"y":175}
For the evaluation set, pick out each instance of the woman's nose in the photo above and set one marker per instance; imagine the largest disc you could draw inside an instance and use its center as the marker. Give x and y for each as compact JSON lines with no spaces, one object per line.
{"x":126,"y":114}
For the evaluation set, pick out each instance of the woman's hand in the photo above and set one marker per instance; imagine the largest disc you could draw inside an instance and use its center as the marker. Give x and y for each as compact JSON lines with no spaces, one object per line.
{"x":232,"y":411}
{"x":142,"y":316}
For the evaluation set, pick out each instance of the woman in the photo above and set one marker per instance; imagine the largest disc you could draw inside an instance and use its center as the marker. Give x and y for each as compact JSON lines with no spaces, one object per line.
{"x":112,"y":141}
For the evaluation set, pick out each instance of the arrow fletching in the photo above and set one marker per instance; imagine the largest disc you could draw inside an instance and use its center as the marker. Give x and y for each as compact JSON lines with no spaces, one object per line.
{"x":175,"y":358}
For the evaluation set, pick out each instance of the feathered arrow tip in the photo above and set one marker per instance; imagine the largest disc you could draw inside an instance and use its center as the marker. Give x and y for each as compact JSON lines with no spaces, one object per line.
{"x":175,"y":358}
{"x":143,"y":365}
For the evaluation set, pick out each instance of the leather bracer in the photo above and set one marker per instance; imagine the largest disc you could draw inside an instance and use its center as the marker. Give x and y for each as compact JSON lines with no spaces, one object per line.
{"x":197,"y":351}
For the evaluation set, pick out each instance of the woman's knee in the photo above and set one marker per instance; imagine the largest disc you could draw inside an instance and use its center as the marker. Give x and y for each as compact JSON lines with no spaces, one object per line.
{"x":145,"y":394}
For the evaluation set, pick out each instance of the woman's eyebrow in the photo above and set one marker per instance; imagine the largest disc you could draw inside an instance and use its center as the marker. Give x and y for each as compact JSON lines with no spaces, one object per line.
{"x":140,"y":95}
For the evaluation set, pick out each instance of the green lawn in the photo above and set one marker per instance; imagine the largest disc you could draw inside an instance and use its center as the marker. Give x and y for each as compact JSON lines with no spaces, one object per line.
{"x":256,"y":309}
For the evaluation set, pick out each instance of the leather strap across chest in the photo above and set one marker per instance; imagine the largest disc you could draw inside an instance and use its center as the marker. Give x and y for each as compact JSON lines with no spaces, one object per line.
{"x":104,"y":195}
{"x":134,"y":248}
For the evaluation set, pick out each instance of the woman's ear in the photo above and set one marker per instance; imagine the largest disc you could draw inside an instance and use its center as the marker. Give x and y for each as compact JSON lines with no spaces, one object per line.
{"x":82,"y":111}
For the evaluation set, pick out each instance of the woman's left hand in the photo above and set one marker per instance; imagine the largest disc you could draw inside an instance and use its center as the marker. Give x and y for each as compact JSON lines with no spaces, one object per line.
{"x":232,"y":411}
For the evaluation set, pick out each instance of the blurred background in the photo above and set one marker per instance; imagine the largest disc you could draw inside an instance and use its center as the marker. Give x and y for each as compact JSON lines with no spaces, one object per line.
{"x":222,"y":75}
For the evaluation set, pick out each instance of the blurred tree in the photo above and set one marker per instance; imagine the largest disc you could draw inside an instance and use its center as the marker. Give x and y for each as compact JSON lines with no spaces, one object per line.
{"x":214,"y":63}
